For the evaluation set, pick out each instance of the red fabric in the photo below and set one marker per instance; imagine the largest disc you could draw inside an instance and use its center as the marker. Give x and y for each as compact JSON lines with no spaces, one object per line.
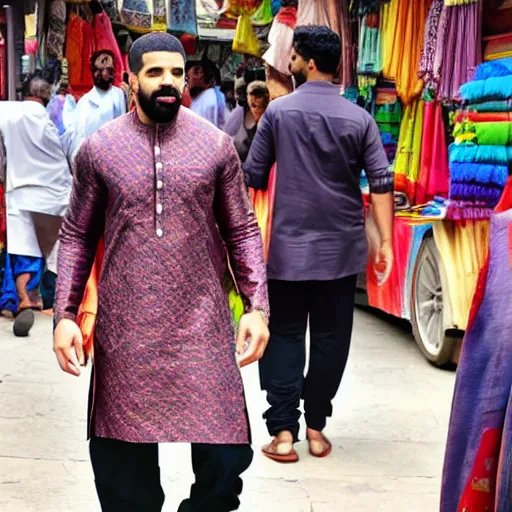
{"x":389,"y":296}
{"x":105,"y":39}
{"x":479,"y":494}
{"x":3,"y":69}
{"x":3,"y":218}
{"x":484,"y":117}
{"x":434,"y":175}
{"x":287,"y":16}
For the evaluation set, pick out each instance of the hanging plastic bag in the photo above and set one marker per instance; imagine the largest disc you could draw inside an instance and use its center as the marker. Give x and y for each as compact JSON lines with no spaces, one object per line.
{"x":245,"y":39}
{"x":264,"y":14}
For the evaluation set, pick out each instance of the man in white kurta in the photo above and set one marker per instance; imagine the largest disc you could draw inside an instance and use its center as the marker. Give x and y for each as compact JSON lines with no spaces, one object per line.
{"x":37,"y":188}
{"x":103,"y":103}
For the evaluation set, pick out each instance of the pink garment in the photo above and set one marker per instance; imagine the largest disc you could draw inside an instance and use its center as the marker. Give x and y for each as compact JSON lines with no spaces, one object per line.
{"x":434,"y":176}
{"x":105,"y":39}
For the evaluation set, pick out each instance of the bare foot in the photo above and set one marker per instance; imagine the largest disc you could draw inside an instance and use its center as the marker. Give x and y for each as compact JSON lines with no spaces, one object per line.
{"x":319,"y":445}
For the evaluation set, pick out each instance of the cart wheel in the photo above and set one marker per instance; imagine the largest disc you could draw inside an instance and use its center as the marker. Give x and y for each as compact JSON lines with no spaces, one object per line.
{"x":427,"y":306}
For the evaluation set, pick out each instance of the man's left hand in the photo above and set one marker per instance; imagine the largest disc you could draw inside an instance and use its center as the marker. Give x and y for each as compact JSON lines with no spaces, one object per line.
{"x":252,"y":339}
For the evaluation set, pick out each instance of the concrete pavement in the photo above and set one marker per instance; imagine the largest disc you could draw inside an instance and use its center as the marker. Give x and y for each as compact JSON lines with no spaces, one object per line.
{"x":388,"y":432}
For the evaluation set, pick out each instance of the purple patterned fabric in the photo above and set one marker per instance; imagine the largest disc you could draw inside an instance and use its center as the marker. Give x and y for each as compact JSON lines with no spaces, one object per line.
{"x":169,"y":201}
{"x":428,"y":56}
{"x":482,"y":399}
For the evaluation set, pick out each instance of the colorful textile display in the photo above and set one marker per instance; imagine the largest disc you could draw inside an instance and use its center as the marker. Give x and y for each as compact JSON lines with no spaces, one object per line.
{"x":407,"y":164}
{"x":477,"y":470}
{"x":434,"y":173}
{"x":369,"y":61}
{"x":403,"y":55}
{"x":388,"y":115}
{"x":463,"y":249}
{"x":182,"y":16}
{"x":264,"y":15}
{"x":56,"y":37}
{"x":280,"y":39}
{"x":498,"y":47}
{"x":428,"y":56}
{"x":482,"y":152}
{"x":458,"y":47}
{"x":136,"y":15}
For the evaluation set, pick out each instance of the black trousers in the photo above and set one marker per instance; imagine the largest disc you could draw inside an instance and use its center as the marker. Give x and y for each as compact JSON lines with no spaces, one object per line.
{"x":127,"y":476}
{"x":329,"y":306}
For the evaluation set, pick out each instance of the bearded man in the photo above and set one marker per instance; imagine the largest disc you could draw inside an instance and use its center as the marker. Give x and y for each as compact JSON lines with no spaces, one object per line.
{"x":166,"y":190}
{"x":103,"y":103}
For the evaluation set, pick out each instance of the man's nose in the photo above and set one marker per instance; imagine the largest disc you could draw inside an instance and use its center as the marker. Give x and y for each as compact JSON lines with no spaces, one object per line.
{"x":168,"y":79}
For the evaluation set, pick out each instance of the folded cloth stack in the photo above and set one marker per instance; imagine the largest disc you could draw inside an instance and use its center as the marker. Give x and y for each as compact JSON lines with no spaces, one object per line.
{"x":388,"y":114}
{"x":481,"y":156}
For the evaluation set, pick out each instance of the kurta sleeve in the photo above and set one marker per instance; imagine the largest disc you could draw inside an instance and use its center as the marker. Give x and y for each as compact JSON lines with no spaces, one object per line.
{"x":262,"y":156}
{"x":81,"y":230}
{"x":375,"y":161}
{"x":240,"y":232}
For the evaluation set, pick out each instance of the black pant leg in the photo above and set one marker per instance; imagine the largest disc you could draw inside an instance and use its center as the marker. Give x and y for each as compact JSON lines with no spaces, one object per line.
{"x":127,"y":475}
{"x":217,"y":470}
{"x":282,"y":366}
{"x":331,"y":320}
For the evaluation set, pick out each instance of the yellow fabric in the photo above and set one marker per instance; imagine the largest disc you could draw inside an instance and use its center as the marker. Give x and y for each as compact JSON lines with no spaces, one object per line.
{"x":450,"y":3}
{"x":407,"y":163}
{"x":463,"y":248}
{"x":496,"y":56}
{"x":405,"y":26}
{"x":30,"y":26}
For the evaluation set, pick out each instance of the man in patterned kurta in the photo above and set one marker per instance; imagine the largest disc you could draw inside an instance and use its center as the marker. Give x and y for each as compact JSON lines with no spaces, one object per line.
{"x":166,"y":190}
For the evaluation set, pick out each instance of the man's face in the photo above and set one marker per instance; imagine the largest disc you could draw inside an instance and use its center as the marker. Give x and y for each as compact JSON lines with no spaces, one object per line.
{"x":196,"y":77}
{"x":257,"y":106}
{"x":159,"y":85}
{"x":298,"y":68}
{"x":103,"y":72}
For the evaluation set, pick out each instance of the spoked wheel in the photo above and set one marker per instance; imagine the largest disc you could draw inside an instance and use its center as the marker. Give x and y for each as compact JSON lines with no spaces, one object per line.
{"x":427,"y":306}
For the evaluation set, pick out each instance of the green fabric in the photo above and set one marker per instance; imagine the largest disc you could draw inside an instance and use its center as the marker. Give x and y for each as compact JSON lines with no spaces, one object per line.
{"x":493,"y":134}
{"x":492,"y":106}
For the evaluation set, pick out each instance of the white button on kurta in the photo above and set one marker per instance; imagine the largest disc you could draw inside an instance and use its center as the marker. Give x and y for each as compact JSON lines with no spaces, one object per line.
{"x":159,"y":209}
{"x":159,"y":233}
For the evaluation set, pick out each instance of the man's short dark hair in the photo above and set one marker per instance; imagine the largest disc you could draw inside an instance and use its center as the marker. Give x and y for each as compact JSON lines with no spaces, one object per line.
{"x":154,"y":42}
{"x":321,"y":44}
{"x":99,"y":53}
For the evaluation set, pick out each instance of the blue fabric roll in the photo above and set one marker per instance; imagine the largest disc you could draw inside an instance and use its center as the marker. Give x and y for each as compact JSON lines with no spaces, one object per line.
{"x":497,"y":155}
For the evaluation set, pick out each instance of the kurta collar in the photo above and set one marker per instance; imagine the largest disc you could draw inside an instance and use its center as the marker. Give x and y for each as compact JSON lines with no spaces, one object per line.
{"x":152,"y":130}
{"x":320,"y":87}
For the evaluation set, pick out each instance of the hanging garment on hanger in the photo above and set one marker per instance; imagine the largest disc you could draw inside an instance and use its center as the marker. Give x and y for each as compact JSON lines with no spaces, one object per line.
{"x":137,"y":15}
{"x":56,"y":29}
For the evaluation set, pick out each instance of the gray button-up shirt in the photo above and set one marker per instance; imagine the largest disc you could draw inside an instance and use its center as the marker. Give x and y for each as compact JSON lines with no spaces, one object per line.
{"x":321,"y":142}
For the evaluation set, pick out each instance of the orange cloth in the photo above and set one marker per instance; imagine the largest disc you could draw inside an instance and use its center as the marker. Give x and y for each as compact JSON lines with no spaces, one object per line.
{"x":403,"y":37}
{"x":88,"y":310}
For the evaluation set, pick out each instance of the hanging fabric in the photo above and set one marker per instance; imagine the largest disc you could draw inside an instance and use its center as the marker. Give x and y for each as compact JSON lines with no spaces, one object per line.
{"x":75,"y":50}
{"x":312,"y":12}
{"x":407,"y":164}
{"x":459,"y":47}
{"x":405,"y":51}
{"x":434,"y":173}
{"x":105,"y":39}
{"x":111,"y":8}
{"x":56,"y":29}
{"x":427,"y":66}
{"x":3,"y":68}
{"x":137,"y":16}
{"x":280,"y":39}
{"x":182,"y":16}
{"x":369,"y":60}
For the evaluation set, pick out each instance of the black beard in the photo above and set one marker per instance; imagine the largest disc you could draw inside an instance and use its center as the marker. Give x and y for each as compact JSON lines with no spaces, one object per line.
{"x":104,"y":85}
{"x":161,"y":113}
{"x":300,"y":78}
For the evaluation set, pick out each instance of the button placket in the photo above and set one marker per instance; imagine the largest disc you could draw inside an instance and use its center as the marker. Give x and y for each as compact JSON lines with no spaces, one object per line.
{"x":159,"y":181}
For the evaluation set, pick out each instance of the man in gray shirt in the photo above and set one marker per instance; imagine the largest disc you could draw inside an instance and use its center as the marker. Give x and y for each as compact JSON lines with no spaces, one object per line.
{"x":320,"y":142}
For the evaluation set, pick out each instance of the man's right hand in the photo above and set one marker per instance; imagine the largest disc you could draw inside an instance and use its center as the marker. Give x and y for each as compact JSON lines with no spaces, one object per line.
{"x":68,"y":346}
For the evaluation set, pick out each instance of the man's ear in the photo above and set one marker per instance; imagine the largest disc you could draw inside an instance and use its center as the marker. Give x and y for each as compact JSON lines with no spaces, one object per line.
{"x":134,"y":82}
{"x":311,"y":65}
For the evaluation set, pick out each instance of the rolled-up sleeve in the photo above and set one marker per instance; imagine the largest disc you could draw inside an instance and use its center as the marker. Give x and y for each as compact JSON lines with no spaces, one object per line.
{"x":375,"y":161}
{"x":262,"y":155}
{"x":241,"y":234}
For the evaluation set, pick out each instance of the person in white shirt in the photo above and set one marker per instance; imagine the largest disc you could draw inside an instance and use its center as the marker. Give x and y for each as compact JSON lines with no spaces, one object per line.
{"x":208,"y":101}
{"x":37,"y":189}
{"x":103,"y":103}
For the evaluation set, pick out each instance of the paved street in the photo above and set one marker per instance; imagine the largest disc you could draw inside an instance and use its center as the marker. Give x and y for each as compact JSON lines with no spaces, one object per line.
{"x":388,"y":433}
